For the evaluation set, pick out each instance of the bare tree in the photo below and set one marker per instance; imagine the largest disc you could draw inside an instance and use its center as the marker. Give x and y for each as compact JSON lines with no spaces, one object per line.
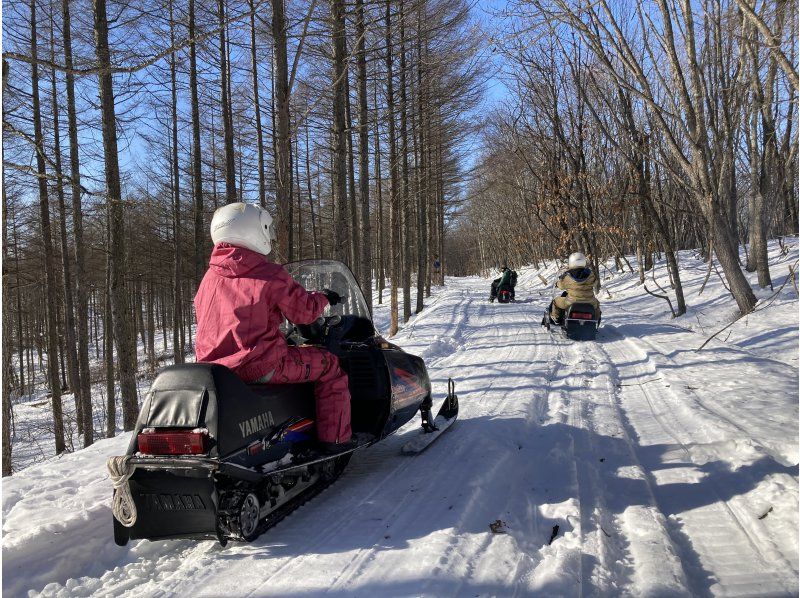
{"x":47,"y":244}
{"x":124,"y":341}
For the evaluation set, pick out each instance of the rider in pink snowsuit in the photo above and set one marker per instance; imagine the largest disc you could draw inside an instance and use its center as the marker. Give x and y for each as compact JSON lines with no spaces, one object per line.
{"x":240,"y":305}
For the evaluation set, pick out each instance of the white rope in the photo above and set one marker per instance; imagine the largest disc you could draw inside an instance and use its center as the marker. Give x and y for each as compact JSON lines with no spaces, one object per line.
{"x":123,"y":508}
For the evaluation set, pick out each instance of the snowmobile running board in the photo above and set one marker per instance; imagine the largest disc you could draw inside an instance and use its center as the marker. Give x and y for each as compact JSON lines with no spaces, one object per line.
{"x":448,"y":413}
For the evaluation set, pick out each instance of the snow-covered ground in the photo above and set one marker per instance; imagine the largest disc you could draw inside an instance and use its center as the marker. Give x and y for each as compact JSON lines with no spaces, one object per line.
{"x":632,"y":465}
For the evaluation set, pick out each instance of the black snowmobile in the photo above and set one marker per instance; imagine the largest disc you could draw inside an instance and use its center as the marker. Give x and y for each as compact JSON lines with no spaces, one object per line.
{"x":213,"y":457}
{"x":579,"y":322}
{"x":504,"y":293}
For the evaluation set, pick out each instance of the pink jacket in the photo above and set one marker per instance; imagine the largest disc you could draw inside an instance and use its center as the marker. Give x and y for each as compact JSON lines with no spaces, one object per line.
{"x":240,"y":305}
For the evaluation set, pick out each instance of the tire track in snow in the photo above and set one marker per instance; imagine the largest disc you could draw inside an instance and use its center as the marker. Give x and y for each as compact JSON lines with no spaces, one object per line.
{"x":755,"y":430}
{"x":584,"y":398}
{"x":454,"y":543}
{"x":711,"y":536}
{"x":595,"y":573}
{"x":638,"y":520}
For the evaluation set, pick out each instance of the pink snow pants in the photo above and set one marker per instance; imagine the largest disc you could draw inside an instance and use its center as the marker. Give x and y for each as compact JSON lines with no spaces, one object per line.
{"x":310,"y":364}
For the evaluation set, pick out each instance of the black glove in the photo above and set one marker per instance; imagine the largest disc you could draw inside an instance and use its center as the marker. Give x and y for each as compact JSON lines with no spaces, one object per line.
{"x":332,"y":296}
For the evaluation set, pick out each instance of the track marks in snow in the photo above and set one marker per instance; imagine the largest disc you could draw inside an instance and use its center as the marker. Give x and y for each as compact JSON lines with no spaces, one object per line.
{"x":609,"y":483}
{"x":704,"y":469}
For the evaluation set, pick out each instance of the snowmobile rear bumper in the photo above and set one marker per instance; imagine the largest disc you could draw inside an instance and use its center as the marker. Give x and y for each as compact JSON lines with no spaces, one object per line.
{"x":580,"y":330}
{"x":178,"y":497}
{"x":176,"y":503}
{"x":211,"y":465}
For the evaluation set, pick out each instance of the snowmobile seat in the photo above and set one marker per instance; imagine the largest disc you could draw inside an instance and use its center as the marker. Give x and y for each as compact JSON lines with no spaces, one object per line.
{"x":210,"y":396}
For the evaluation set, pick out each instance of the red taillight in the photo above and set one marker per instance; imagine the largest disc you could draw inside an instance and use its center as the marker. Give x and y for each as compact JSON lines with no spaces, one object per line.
{"x":580,"y":315}
{"x":173,"y":442}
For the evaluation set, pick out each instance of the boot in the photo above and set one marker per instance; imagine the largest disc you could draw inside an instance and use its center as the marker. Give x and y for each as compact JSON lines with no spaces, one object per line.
{"x":334,"y":448}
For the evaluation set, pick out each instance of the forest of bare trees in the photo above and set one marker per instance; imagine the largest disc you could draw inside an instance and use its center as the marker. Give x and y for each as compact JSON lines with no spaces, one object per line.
{"x":126,"y":124}
{"x":628,"y":129}
{"x":639,"y":128}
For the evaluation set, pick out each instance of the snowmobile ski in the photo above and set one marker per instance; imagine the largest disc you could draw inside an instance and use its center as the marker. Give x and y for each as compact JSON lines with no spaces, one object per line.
{"x":447,"y":415}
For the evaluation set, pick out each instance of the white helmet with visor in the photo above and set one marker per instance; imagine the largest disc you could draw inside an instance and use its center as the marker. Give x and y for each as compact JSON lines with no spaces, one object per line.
{"x":244,"y":225}
{"x":577,"y":260}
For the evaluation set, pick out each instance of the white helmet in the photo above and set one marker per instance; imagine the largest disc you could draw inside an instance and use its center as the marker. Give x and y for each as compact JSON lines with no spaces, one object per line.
{"x":577,"y":260}
{"x":244,"y":225}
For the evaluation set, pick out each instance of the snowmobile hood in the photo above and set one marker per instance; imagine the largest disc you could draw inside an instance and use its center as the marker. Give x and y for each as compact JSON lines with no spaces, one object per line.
{"x":231,"y":261}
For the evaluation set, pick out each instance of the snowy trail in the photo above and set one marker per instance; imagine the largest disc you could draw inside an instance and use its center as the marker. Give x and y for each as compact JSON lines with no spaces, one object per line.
{"x":667,"y":472}
{"x":714,"y":522}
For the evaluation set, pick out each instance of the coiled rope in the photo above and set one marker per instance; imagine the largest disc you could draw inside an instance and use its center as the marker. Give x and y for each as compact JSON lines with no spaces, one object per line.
{"x":123,"y":507}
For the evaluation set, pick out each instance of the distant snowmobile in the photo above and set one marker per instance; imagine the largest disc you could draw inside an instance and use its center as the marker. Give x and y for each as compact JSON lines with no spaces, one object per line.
{"x":579,"y":322}
{"x":576,"y":310}
{"x":213,"y":457}
{"x":502,"y":288}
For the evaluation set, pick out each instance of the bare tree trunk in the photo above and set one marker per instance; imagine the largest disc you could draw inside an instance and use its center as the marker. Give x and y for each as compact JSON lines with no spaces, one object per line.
{"x":422,"y":175}
{"x":762,"y":161}
{"x":341,"y":238}
{"x":79,"y":277}
{"x":177,"y":322}
{"x":151,"y":328}
{"x":296,"y":189}
{"x":310,"y":196}
{"x":283,"y":142}
{"x":227,"y":116}
{"x":22,"y":354}
{"x":381,"y":229}
{"x":70,"y":346}
{"x":363,"y":156}
{"x":394,"y":208}
{"x":197,"y":161}
{"x":47,"y":243}
{"x":407,"y":214}
{"x":108,"y":353}
{"x":126,"y":350}
{"x":262,"y":185}
{"x":355,"y":252}
{"x":440,"y":209}
{"x":291,"y":226}
{"x":8,"y":337}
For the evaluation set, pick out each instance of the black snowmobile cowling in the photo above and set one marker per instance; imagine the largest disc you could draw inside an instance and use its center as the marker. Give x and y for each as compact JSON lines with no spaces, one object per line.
{"x":213,"y":457}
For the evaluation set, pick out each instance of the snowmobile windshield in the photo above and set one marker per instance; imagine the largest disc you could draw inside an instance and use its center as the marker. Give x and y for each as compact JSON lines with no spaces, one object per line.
{"x":316,"y":275}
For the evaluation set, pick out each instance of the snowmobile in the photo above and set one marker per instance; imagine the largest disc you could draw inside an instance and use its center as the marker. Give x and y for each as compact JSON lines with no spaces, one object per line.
{"x":505,"y":294}
{"x":579,"y":322}
{"x":214,"y":458}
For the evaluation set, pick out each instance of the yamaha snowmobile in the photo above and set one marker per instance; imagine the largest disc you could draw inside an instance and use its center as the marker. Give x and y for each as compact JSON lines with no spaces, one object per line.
{"x":214,"y":458}
{"x":579,"y":322}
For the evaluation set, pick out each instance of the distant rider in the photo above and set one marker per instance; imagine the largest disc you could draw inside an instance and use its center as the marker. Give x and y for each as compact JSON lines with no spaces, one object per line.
{"x":508,"y":278}
{"x":578,"y":286}
{"x":240,"y":306}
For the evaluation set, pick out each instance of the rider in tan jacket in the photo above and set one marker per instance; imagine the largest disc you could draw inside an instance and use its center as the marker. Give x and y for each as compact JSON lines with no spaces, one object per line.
{"x":578,"y":282}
